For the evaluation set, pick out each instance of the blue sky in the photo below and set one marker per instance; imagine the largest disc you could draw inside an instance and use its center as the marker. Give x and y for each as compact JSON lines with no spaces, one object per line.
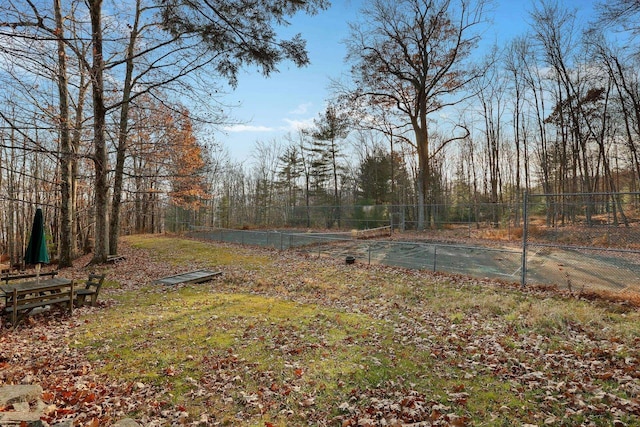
{"x":270,"y":107}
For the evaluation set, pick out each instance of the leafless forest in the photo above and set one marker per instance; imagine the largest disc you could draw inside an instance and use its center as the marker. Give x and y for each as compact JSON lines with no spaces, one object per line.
{"x":106,"y":111}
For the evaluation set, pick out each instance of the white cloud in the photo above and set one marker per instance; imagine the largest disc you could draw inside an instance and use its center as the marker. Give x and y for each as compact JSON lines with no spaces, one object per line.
{"x":301,"y":109}
{"x":248,"y":128}
{"x":295,"y":125}
{"x":290,"y":125}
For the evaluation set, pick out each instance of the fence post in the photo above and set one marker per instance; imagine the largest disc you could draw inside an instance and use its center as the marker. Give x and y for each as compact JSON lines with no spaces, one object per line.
{"x":435,"y":257}
{"x":525,"y":232}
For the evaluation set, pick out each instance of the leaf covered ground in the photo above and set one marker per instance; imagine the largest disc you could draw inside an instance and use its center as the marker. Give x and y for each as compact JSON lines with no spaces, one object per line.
{"x":282,"y":339}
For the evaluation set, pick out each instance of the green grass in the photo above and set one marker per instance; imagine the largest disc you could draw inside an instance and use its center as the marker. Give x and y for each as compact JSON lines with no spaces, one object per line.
{"x":163,"y":341}
{"x":179,"y":252}
{"x":292,"y":340}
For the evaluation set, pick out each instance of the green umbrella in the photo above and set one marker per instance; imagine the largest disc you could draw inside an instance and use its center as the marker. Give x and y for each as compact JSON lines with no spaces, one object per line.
{"x":37,"y":249}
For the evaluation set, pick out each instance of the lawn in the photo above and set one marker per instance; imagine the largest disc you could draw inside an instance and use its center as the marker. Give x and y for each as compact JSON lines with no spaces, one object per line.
{"x":281,"y":339}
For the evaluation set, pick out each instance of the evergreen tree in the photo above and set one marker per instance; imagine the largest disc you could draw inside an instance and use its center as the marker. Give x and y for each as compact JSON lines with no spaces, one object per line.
{"x":331,"y":128}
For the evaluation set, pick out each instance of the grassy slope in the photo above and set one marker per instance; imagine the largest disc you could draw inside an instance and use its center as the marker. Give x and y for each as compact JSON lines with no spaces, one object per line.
{"x":284,"y":340}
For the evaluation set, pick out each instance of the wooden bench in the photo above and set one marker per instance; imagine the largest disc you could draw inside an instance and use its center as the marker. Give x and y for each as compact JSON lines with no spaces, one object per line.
{"x":113,"y":259}
{"x":21,"y":298}
{"x":91,"y":289}
{"x":21,"y":276}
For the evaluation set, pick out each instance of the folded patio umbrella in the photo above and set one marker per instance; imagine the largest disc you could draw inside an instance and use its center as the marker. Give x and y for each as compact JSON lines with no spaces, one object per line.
{"x":37,"y":252}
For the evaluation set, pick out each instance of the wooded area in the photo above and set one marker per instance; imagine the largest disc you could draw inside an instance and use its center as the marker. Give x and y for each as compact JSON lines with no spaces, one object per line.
{"x":94,"y":127}
{"x":423,"y":125}
{"x":105,"y":107}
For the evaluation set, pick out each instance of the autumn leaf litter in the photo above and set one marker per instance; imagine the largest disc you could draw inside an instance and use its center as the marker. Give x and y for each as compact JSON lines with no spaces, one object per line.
{"x":41,"y":352}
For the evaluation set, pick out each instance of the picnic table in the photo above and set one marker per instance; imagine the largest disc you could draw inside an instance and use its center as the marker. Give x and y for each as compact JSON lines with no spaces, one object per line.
{"x":22,"y":297}
{"x":21,"y":276}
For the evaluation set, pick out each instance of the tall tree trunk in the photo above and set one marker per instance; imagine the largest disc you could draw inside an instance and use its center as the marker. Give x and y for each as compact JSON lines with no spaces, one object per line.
{"x":423,"y":177}
{"x":517,"y":136}
{"x":11,"y":189}
{"x":99,"y":141}
{"x":613,"y":188}
{"x":66,"y":152}
{"x":80,"y":232}
{"x":336,"y":194}
{"x":114,"y":225}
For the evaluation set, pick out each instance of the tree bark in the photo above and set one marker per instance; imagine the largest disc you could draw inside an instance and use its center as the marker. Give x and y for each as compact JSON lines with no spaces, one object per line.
{"x":99,"y":143}
{"x":123,"y":130}
{"x":66,"y":254}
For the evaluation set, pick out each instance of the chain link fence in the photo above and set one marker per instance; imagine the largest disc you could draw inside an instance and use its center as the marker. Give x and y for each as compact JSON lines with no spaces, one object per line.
{"x":467,"y":219}
{"x":481,"y":261}
{"x":582,"y":242}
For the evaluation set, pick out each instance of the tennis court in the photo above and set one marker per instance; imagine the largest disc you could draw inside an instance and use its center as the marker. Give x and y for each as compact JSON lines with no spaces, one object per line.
{"x":581,"y":268}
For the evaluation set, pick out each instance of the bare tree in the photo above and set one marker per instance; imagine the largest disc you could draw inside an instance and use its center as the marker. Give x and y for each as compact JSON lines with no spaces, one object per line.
{"x":266,"y":158}
{"x":411,"y":55}
{"x":66,"y":159}
{"x":30,"y":38}
{"x":490,"y":94}
{"x":555,"y":32}
{"x":622,"y":13}
{"x":197,"y":35}
{"x":515,"y":68}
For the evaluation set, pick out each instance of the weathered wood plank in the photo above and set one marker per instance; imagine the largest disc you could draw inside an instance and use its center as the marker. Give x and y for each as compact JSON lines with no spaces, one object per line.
{"x":197,"y":276}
